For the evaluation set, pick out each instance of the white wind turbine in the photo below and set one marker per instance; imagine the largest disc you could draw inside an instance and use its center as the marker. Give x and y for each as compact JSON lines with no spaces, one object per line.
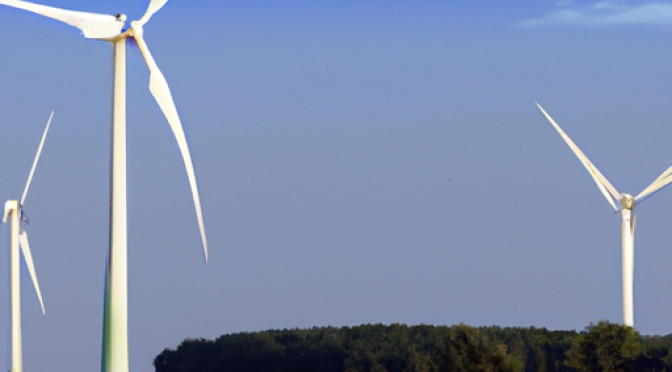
{"x":629,"y":220}
{"x":19,"y":238}
{"x":110,"y":28}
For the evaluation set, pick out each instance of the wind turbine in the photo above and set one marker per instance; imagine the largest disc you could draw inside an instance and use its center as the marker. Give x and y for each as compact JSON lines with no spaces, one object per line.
{"x":19,"y":238}
{"x":627,"y":205}
{"x":110,"y":28}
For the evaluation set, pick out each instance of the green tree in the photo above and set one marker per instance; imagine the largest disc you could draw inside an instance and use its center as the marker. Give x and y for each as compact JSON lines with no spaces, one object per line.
{"x":467,"y":350}
{"x":606,"y":347}
{"x":419,"y":361}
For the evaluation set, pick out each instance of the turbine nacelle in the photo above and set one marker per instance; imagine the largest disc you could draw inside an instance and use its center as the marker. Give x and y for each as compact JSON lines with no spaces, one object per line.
{"x":627,"y":201}
{"x":10,"y":205}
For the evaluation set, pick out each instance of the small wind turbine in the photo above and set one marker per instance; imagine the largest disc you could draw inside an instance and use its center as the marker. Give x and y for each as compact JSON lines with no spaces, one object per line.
{"x":19,"y":238}
{"x":110,"y":28}
{"x":627,"y":203}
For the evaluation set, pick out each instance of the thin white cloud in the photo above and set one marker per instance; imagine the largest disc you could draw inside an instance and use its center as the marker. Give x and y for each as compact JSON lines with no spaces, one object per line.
{"x":606,"y":13}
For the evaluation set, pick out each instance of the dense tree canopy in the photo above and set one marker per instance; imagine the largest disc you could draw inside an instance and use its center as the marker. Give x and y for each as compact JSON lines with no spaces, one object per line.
{"x":423,"y":348}
{"x":606,"y":347}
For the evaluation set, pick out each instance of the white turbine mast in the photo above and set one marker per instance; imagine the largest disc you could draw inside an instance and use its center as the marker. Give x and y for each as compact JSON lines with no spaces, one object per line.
{"x":19,"y":239}
{"x":111,"y":28}
{"x":627,"y":205}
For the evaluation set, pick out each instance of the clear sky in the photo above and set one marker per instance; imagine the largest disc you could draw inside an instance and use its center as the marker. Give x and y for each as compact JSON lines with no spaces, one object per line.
{"x":358,"y":162}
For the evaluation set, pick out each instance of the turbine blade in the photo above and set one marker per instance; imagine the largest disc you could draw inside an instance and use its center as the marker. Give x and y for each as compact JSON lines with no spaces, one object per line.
{"x":92,"y":25}
{"x":37,"y":158}
{"x":161,"y":92}
{"x":25,"y":248}
{"x":154,"y":6}
{"x":663,"y":180}
{"x":603,"y":184}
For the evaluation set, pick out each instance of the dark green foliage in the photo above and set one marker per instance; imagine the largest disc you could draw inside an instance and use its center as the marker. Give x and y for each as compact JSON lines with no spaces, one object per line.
{"x":659,"y":350}
{"x":469,"y":350}
{"x":606,"y":347}
{"x":609,"y":347}
{"x":423,"y":348}
{"x":540,"y":350}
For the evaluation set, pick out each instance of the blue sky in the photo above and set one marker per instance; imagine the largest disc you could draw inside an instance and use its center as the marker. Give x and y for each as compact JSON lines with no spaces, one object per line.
{"x":358,"y":162}
{"x":606,"y":13}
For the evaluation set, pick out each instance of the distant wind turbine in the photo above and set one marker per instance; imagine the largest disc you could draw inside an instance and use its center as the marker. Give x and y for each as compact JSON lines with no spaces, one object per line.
{"x":110,"y":28}
{"x":627,"y":203}
{"x":19,"y":238}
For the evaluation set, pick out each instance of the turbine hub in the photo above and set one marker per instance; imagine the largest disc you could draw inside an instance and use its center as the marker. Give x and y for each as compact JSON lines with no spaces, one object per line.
{"x":627,"y":201}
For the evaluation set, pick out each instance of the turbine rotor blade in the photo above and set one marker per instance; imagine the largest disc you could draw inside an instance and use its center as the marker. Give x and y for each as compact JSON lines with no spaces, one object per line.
{"x":154,"y":6}
{"x":161,"y":92}
{"x":25,"y":248}
{"x":603,"y":184}
{"x":37,"y":158}
{"x":92,"y":25}
{"x":663,"y":180}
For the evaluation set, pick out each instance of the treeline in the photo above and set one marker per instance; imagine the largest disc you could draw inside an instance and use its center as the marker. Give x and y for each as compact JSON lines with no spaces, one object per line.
{"x":400,"y":348}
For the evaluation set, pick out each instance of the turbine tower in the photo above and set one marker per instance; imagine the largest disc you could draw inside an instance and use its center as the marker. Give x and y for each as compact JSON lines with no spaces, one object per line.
{"x":627,"y":205}
{"x":19,"y":238}
{"x":110,"y":28}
